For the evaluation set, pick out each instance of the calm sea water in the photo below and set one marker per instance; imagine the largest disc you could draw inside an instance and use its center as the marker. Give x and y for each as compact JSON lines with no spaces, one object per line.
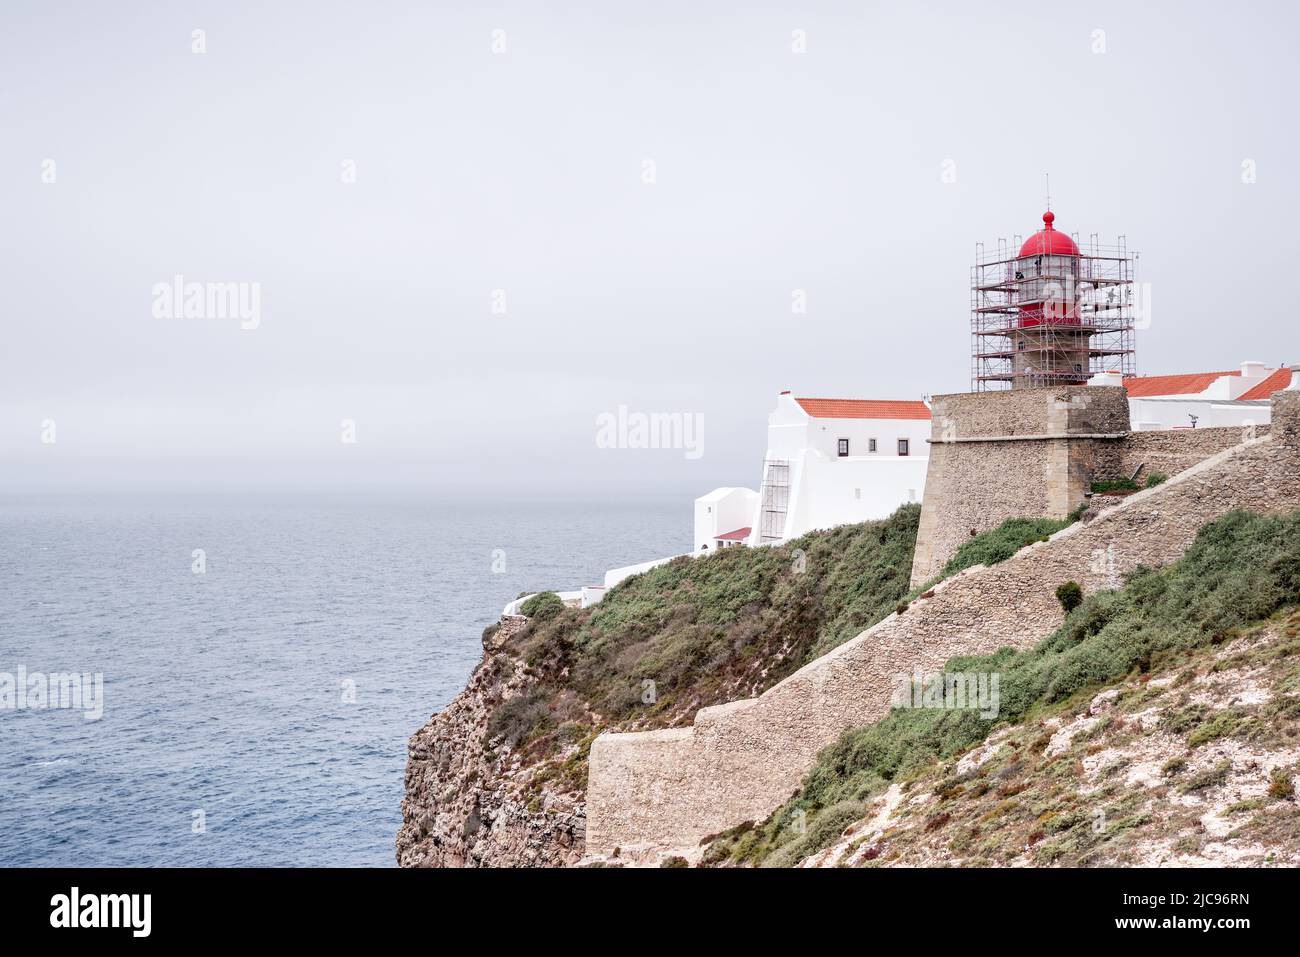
{"x":224,"y":692}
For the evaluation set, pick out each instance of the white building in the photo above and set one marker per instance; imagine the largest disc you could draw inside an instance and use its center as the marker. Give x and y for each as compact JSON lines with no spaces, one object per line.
{"x":1201,"y":399}
{"x":725,"y":517}
{"x":829,"y":462}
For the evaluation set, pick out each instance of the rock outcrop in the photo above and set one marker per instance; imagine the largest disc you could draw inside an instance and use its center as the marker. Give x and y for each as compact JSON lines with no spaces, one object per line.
{"x":471,"y":799}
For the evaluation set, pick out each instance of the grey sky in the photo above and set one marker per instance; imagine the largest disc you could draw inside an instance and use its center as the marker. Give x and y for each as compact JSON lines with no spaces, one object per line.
{"x":522,"y":171}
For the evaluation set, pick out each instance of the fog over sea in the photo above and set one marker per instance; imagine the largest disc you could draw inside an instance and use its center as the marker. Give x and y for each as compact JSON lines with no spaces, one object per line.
{"x":224,"y":692}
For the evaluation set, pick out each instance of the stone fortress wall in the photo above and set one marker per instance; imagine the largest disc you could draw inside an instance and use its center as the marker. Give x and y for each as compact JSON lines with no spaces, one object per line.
{"x":662,"y":792}
{"x":1034,"y":453}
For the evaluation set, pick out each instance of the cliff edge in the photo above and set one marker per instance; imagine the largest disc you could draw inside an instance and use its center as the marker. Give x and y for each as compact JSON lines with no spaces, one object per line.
{"x":472,"y":798}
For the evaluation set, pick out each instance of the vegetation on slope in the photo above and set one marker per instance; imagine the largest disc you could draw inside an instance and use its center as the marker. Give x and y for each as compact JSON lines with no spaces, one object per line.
{"x":1193,"y":763}
{"x":1127,"y":484}
{"x":698,"y":631}
{"x":1001,"y":543}
{"x":543,"y":606}
{"x":1242,"y":568}
{"x":702,"y":631}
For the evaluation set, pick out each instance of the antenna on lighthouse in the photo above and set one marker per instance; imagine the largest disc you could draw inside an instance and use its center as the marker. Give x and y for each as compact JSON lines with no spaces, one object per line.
{"x":1047,"y":185}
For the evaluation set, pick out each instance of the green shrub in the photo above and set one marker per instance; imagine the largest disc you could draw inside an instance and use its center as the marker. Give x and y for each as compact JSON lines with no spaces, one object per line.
{"x":999,"y":544}
{"x":822,"y":833}
{"x":1209,"y":778}
{"x":543,"y":606}
{"x":1280,"y":785}
{"x":1070,"y":595}
{"x":1115,"y":485}
{"x":1156,"y":478}
{"x":1221,"y":725}
{"x":674,"y":862}
{"x":519,"y":718}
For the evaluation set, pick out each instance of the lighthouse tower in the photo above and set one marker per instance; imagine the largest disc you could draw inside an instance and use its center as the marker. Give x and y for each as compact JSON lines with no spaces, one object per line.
{"x":1050,"y":314}
{"x":1051,"y":345}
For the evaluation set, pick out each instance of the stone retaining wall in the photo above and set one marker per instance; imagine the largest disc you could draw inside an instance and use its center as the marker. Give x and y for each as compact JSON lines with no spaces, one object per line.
{"x":1169,"y":452}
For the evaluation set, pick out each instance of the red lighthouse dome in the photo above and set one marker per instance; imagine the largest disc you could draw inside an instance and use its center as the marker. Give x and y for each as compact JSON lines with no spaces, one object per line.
{"x":1047,"y":274}
{"x":1049,"y":241}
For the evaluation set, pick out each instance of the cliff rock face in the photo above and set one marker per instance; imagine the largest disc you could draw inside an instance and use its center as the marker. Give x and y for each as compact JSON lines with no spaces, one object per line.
{"x":472,"y":800}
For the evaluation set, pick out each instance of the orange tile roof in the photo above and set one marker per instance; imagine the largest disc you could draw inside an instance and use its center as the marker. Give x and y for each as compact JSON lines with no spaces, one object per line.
{"x":1279,"y":380}
{"x":1190,"y":384}
{"x":739,"y":535}
{"x":864,"y":409}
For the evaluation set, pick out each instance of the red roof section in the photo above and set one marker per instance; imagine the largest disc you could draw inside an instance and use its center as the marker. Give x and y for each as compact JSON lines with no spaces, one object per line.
{"x":1190,"y":384}
{"x":864,"y":409}
{"x":739,"y":535}
{"x":1049,"y":241}
{"x":1274,"y":383}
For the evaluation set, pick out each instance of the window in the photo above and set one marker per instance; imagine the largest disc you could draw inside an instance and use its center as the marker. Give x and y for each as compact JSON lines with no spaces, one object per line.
{"x":904,"y":447}
{"x":871,"y":445}
{"x":843,"y":447}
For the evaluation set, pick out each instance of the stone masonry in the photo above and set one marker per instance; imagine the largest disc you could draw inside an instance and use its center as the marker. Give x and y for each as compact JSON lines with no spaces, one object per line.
{"x":1034,"y":453}
{"x":660,"y":792}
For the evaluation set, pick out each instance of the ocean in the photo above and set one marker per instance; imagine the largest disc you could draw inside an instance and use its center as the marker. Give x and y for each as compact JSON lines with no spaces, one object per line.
{"x":256,"y":711}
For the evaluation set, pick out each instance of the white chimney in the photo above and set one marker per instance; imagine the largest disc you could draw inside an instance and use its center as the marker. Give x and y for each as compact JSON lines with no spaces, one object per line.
{"x":1107,"y":378}
{"x":1253,"y":370}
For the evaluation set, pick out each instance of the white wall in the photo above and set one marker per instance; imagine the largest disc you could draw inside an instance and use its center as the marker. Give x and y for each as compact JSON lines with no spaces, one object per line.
{"x":1154,"y":414}
{"x":616,"y":575}
{"x":829,"y":491}
{"x":1231,"y":386}
{"x":824,"y":436}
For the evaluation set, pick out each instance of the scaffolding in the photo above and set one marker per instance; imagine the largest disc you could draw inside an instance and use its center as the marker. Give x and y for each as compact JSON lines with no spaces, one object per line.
{"x":774,"y":500}
{"x":1051,"y":319}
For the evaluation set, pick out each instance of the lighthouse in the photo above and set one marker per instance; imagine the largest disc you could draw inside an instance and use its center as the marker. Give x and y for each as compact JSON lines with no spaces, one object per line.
{"x":1051,"y":344}
{"x":1050,"y":314}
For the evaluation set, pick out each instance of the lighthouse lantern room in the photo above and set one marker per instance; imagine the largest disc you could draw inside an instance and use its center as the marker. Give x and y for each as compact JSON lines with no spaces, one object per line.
{"x":1050,"y":314}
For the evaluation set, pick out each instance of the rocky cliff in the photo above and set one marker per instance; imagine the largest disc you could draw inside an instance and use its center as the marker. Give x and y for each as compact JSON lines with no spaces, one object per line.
{"x":472,"y":797}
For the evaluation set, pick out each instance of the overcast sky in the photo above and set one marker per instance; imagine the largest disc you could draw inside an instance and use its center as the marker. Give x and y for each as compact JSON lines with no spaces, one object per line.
{"x":524,"y":170}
